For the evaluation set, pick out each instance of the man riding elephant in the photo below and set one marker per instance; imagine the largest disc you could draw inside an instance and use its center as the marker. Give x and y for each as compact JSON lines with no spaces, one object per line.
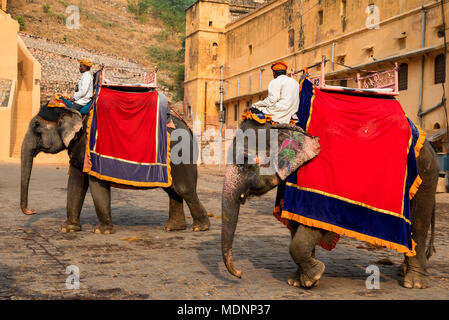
{"x":82,"y":99}
{"x":84,"y":92}
{"x":283,"y":96}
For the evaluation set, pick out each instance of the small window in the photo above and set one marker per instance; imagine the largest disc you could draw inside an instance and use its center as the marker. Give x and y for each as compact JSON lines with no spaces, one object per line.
{"x":343,"y":15}
{"x":210,"y":23}
{"x":320,"y":17}
{"x":344,"y":83}
{"x":403,"y":76}
{"x":440,"y":69}
{"x":250,"y":49}
{"x":440,"y":33}
{"x":291,"y":38}
{"x":236,"y":112}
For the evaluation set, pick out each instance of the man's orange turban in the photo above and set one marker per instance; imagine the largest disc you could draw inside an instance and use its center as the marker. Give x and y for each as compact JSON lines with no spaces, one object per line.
{"x":279,"y":65}
{"x":86,"y":62}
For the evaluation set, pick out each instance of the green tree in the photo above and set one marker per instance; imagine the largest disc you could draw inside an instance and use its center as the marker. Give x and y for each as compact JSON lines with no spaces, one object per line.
{"x":138,"y":7}
{"x":171,"y":12}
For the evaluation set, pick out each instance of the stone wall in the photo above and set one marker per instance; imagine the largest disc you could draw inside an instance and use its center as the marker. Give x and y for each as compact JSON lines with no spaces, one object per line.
{"x":50,"y":87}
{"x":60,"y":66}
{"x":5,"y":92}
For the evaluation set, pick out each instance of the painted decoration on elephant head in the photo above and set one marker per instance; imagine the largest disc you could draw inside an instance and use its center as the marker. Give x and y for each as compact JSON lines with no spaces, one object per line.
{"x":295,"y":149}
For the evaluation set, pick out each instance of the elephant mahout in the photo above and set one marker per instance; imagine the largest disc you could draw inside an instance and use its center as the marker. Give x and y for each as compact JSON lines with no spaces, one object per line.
{"x":243,"y":180}
{"x":67,"y":131}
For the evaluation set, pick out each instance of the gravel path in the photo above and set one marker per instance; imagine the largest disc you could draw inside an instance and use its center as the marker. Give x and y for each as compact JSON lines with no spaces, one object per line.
{"x":142,"y":261}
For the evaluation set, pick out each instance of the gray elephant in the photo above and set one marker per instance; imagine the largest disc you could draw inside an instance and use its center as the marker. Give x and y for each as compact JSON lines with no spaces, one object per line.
{"x":243,"y":180}
{"x":66,"y":131}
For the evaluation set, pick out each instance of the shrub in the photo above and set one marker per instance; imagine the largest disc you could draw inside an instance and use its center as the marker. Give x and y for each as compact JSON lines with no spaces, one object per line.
{"x":172,"y":61}
{"x":171,"y":12}
{"x":161,"y":36}
{"x":21,"y":21}
{"x":46,"y":8}
{"x":138,"y":7}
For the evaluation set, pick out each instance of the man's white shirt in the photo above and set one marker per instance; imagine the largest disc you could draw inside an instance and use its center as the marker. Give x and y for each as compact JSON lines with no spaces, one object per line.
{"x":85,"y":89}
{"x":283,"y":99}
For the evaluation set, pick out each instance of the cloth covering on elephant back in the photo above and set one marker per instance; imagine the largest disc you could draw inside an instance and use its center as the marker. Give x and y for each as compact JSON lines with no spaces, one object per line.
{"x":53,"y":110}
{"x":361,"y":183}
{"x":127,"y":139}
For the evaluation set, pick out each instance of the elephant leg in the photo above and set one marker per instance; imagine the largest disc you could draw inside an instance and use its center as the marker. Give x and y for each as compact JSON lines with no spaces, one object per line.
{"x":185,"y":186}
{"x":199,"y":214}
{"x":302,"y":250}
{"x":76,"y":192}
{"x":422,"y":210}
{"x":414,"y":268}
{"x":176,"y":217}
{"x":101,"y":195}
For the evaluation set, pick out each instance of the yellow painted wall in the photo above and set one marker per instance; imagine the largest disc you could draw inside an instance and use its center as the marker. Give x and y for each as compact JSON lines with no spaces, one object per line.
{"x":8,"y":70}
{"x":255,"y":41}
{"x":19,"y":66}
{"x":27,"y":102}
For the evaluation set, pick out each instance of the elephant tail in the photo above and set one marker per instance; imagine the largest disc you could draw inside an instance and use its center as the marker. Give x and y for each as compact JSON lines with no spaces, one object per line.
{"x":431,"y":247}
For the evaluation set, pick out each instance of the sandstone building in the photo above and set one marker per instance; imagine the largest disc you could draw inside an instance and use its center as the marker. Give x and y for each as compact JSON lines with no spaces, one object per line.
{"x":245,"y":37}
{"x":20,"y":76}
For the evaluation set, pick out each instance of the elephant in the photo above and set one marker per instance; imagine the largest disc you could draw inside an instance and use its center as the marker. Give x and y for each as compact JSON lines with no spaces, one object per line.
{"x":242,"y":181}
{"x":68,"y":132}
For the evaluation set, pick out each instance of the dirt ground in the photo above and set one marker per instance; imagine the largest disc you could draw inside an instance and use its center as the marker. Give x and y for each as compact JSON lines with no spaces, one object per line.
{"x":142,"y":261}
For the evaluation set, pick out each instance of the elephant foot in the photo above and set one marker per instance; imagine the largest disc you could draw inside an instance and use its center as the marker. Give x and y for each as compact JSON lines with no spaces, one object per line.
{"x":70,"y":227}
{"x":174,"y":225}
{"x":415,"y":279}
{"x":293,"y":280}
{"x":200,"y":226}
{"x":310,"y":275}
{"x":104,"y":229}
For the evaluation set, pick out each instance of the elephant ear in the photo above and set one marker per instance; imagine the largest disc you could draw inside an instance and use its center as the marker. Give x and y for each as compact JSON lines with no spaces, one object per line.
{"x":69,"y":124}
{"x":295,"y":148}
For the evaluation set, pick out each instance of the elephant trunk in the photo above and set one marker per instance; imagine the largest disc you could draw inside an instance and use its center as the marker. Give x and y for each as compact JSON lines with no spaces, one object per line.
{"x":29,"y":147}
{"x":232,"y":191}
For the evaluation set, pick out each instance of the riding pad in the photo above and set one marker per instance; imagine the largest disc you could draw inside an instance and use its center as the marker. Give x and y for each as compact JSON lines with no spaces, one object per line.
{"x":361,"y":183}
{"x":128,"y":142}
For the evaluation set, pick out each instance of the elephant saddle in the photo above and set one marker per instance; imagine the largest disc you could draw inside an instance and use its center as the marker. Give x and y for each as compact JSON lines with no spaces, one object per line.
{"x":361,"y":183}
{"x":127,"y":139}
{"x":53,"y":110}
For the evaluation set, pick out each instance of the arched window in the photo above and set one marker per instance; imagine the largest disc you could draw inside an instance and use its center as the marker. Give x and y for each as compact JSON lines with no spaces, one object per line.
{"x":440,"y":68}
{"x":403,"y":76}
